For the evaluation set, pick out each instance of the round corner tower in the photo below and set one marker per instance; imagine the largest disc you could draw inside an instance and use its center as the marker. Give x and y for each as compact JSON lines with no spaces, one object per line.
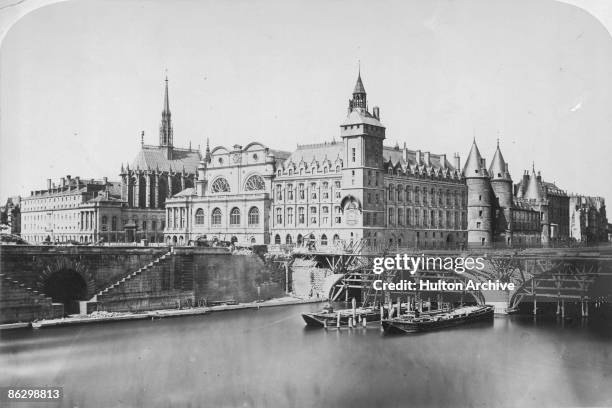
{"x":501,"y":183}
{"x":479,"y":200}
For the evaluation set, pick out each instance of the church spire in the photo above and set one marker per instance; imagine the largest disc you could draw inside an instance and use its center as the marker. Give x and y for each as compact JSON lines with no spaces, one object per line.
{"x":165,"y":128}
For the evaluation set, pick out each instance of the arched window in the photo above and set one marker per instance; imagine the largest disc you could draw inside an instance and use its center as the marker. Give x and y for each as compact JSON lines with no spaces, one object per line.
{"x":277,"y":239}
{"x":215,"y":218}
{"x":199,"y":216}
{"x":300,"y":239}
{"x":323,"y":240}
{"x":255,"y":183}
{"x":235,"y":216}
{"x":254,"y":216}
{"x":336,"y":239}
{"x":220,"y":185}
{"x":288,"y":239}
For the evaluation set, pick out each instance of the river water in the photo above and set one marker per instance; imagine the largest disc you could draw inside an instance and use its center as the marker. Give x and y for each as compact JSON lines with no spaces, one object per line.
{"x":267,"y":358}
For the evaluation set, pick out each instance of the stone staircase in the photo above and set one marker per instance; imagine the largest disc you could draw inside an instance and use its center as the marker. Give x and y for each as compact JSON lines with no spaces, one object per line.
{"x":22,"y":288}
{"x":20,"y":303}
{"x":111,"y":288}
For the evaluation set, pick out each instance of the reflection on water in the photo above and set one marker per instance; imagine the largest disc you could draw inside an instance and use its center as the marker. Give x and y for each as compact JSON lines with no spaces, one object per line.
{"x":268,"y":358}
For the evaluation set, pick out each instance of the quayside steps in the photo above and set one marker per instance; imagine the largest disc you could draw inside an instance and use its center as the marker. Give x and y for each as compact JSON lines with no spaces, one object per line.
{"x":109,"y":289}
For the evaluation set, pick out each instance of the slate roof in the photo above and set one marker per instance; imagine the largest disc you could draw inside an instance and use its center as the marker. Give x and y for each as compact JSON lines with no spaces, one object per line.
{"x":397,"y":155}
{"x":318,"y":152}
{"x":153,"y":158}
{"x":359,"y":116}
{"x":473,"y":164}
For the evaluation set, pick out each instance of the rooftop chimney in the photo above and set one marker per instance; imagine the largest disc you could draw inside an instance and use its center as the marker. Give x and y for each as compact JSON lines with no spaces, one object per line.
{"x":48,"y":184}
{"x":457,"y":161}
{"x":443,"y":161}
{"x":427,"y":159}
{"x":417,"y":157}
{"x":376,"y":112}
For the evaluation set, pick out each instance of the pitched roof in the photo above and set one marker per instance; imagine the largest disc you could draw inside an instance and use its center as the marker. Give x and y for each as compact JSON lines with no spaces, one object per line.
{"x":317,"y":152}
{"x":396,"y":155}
{"x":359,"y":116}
{"x":153,"y":158}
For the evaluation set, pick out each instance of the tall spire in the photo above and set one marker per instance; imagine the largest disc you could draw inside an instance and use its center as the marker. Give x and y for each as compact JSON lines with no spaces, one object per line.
{"x":359,"y":100}
{"x":165,"y":128}
{"x":207,"y":157}
{"x":166,"y":102}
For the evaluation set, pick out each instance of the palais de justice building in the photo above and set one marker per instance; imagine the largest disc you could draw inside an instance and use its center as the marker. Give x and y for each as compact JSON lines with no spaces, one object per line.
{"x":359,"y":189}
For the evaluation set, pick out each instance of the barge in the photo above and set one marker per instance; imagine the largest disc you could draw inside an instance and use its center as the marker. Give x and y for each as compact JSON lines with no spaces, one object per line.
{"x":463,"y":315}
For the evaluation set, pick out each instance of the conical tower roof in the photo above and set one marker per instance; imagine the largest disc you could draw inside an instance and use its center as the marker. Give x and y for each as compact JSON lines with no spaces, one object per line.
{"x":497,"y":170}
{"x":473,"y":165}
{"x":359,"y":89}
{"x":534,"y":190}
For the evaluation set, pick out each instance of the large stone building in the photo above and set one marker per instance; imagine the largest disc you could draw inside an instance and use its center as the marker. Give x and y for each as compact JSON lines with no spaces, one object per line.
{"x":337,"y":191}
{"x":588,"y":219}
{"x":55,"y":214}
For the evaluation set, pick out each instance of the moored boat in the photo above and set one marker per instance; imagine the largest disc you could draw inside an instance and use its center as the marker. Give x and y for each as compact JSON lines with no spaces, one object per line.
{"x":456,"y":317}
{"x":328,"y":317}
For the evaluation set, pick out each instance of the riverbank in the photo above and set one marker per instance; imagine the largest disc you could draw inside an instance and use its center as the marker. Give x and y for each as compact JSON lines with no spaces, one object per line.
{"x":103,"y":317}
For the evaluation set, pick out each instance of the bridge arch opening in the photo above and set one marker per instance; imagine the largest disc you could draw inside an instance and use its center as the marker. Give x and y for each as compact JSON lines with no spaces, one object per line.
{"x":68,"y":287}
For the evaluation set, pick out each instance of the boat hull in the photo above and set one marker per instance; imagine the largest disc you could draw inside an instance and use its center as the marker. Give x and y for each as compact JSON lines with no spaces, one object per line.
{"x":323,"y":319}
{"x":401,"y":326}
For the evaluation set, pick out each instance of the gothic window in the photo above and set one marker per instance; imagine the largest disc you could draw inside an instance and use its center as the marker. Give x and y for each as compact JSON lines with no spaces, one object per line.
{"x":254,"y":183}
{"x":390,"y":216}
{"x":336,"y":239}
{"x":215,"y":218}
{"x":277,"y":239}
{"x":323,"y":240}
{"x":199,"y":216}
{"x":235,"y":216}
{"x":254,"y":216}
{"x":390,"y":192}
{"x":220,"y":185}
{"x":288,"y":240}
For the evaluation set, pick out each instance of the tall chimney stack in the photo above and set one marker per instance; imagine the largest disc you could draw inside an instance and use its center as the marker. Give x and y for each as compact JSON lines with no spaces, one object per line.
{"x":48,"y":184}
{"x":457,"y":162}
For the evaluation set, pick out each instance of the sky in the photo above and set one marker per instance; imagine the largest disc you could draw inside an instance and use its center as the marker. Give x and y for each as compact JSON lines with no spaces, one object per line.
{"x":79,"y":81}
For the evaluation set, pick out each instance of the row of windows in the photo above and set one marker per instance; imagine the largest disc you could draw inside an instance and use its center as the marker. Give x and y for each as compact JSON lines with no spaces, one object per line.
{"x":313,"y":191}
{"x":312,"y":215}
{"x":323,"y":240}
{"x":424,"y":218}
{"x":313,"y":170}
{"x":176,"y":217}
{"x":424,"y":195}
